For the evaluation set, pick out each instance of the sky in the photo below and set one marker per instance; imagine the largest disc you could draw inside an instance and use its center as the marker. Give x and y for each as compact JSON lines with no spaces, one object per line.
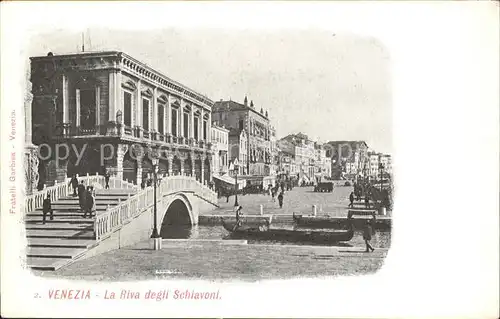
{"x":329,"y":86}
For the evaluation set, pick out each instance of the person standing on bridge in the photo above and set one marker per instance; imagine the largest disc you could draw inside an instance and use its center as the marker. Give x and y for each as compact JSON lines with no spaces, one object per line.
{"x":74,"y":184}
{"x":47,"y":207}
{"x":81,"y":196}
{"x":367,"y":236}
{"x":106,"y":178}
{"x":280,"y":199}
{"x":351,"y":199}
{"x":89,"y":203}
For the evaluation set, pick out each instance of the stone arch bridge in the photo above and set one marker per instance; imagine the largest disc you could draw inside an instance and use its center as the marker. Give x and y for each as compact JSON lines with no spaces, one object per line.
{"x":124,"y":217}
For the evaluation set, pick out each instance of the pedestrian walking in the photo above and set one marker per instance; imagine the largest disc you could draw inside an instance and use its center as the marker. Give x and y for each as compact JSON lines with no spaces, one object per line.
{"x":89,"y":203}
{"x":351,"y":199}
{"x":106,"y":179}
{"x":74,"y":184}
{"x":81,"y":196}
{"x":367,"y":236}
{"x":280,"y":199}
{"x":273,"y":193}
{"x":367,"y":201}
{"x":239,"y":214}
{"x":47,"y":207}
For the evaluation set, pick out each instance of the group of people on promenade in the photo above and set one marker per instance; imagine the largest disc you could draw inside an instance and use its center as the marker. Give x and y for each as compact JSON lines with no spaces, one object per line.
{"x":351,"y":200}
{"x":279,"y":189}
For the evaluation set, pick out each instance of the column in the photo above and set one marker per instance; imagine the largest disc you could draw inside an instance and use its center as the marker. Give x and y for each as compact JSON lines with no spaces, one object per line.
{"x":209,"y":125}
{"x":120,"y":153}
{"x":170,"y":160}
{"x":168,"y":127}
{"x":65,"y":95}
{"x":155,"y":110}
{"x":181,"y":119}
{"x":61,"y":170}
{"x":200,"y":125}
{"x":166,"y":117}
{"x":112,"y":92}
{"x":139,"y":169}
{"x":191,"y":122}
{"x":193,"y":168}
{"x":182,"y":167}
{"x":202,"y":173}
{"x":138,"y":108}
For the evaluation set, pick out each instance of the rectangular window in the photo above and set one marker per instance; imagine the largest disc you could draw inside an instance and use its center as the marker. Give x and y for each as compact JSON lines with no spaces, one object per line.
{"x":127,"y":108}
{"x":87,"y":109}
{"x":204,"y":130}
{"x":196,"y":119}
{"x":161,"y":115}
{"x":145,"y":114}
{"x":174,"y":122}
{"x":241,"y":125}
{"x":186,"y":124}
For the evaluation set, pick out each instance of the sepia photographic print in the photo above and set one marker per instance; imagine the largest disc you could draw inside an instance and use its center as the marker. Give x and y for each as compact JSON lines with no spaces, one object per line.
{"x":203,"y":168}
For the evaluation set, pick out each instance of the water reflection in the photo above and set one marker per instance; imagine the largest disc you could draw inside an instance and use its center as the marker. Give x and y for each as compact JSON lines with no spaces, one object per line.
{"x":179,"y":231}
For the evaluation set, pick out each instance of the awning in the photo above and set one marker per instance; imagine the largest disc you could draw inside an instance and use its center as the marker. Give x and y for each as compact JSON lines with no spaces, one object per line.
{"x":225,"y":179}
{"x":229,"y":180}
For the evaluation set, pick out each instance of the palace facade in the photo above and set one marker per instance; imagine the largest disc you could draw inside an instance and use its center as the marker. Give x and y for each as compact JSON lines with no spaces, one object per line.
{"x":117,"y":114}
{"x":256,"y":124}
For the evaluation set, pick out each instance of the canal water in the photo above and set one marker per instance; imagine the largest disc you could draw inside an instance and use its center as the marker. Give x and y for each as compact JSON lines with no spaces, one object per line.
{"x":381,"y":239}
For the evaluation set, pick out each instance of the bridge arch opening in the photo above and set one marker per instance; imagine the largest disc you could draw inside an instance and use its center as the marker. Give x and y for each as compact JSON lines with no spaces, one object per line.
{"x":177,"y":220}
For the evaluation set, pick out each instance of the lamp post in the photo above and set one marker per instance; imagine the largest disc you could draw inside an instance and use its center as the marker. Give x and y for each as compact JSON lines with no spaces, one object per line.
{"x":236,"y":164}
{"x":155,"y":236}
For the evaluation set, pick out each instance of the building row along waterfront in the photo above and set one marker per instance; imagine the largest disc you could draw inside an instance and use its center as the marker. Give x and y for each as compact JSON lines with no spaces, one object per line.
{"x":304,"y":158}
{"x":351,"y":159}
{"x":252,"y":138}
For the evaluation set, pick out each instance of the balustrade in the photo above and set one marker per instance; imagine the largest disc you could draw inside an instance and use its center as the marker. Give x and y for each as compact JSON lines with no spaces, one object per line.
{"x":113,"y":218}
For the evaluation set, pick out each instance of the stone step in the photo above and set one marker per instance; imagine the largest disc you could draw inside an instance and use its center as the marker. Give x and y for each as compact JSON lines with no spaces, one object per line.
{"x":98,"y":195}
{"x":59,"y":226}
{"x":59,"y":214}
{"x":60,"y":242}
{"x":69,"y":234}
{"x":76,"y":205}
{"x":115,"y":191}
{"x":55,"y":252}
{"x":47,"y":263}
{"x":75,"y":220}
{"x":74,"y":209}
{"x":97,"y":202}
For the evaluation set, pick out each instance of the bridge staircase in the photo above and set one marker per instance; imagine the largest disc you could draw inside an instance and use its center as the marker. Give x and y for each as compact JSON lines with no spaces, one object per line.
{"x":69,"y":236}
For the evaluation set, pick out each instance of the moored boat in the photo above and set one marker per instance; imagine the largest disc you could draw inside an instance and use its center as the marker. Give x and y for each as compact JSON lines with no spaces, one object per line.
{"x":263,"y":232}
{"x":340,"y":222}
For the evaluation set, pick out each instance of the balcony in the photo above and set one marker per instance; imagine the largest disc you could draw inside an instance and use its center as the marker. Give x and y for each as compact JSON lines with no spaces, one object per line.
{"x":67,"y":130}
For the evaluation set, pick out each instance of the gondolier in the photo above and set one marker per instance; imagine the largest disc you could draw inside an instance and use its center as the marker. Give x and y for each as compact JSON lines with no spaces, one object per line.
{"x":239,"y":213}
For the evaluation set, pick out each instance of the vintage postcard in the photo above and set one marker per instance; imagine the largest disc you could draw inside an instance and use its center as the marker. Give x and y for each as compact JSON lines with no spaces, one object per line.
{"x":214,"y":159}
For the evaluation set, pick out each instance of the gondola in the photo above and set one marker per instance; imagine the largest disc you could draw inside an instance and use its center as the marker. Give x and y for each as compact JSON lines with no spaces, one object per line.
{"x":318,"y":221}
{"x":264,"y":232}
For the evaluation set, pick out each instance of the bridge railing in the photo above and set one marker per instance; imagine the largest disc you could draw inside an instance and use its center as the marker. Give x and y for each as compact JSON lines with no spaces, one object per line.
{"x":115,"y":217}
{"x":58,"y":190}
